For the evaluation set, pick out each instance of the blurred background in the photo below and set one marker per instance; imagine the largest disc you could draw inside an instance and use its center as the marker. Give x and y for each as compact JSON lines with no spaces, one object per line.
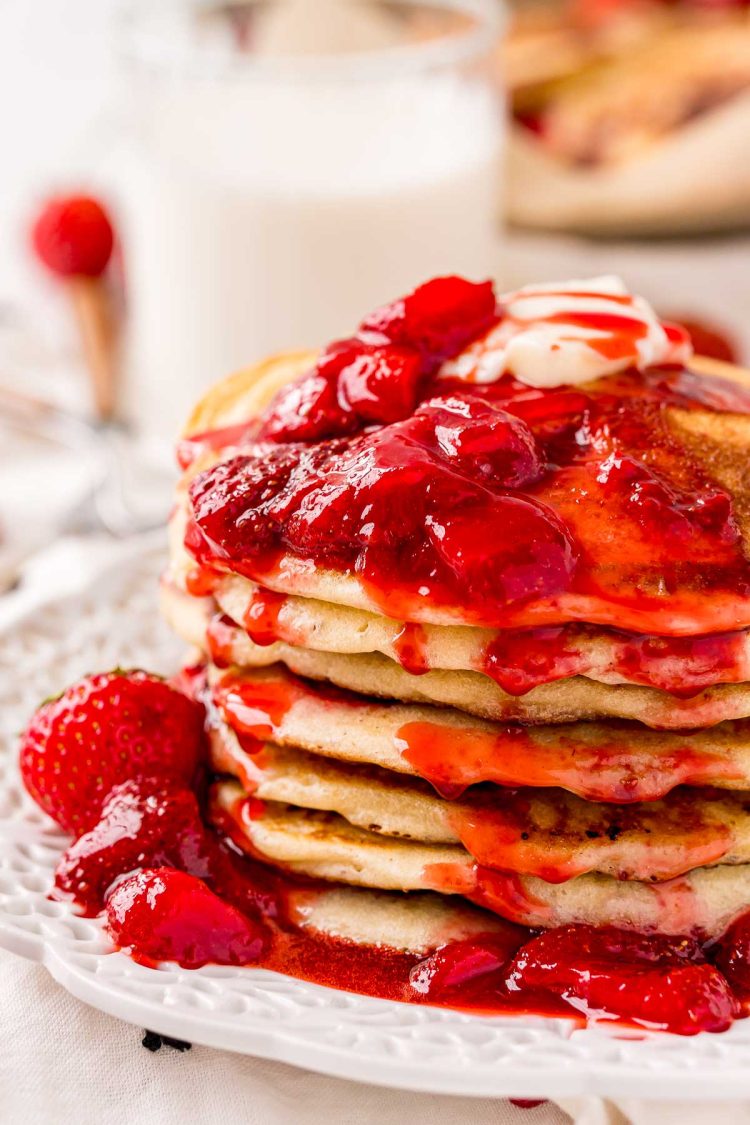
{"x":189,"y":186}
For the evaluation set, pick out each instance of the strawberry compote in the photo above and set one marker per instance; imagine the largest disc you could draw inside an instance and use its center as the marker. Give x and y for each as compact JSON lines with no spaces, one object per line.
{"x":163,"y":869}
{"x":494,"y":503}
{"x":521,"y":659}
{"x":187,"y":898}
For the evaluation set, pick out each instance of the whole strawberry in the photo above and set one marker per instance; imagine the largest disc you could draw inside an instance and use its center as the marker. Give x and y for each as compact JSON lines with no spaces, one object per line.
{"x":73,"y":236}
{"x":104,"y":730}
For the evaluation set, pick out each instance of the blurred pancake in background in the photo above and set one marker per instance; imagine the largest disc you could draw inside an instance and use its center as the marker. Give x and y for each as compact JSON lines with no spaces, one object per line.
{"x":629,"y":117}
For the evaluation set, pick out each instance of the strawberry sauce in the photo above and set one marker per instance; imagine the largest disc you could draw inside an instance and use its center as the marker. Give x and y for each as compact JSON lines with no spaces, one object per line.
{"x":173,"y":889}
{"x":508,"y":505}
{"x":615,"y":762}
{"x":619,"y":762}
{"x":410,"y":649}
{"x":522,"y":659}
{"x":261,"y":619}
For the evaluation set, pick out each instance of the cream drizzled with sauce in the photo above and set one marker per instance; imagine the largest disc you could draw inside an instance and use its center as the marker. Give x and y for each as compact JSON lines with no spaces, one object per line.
{"x":568,"y":333}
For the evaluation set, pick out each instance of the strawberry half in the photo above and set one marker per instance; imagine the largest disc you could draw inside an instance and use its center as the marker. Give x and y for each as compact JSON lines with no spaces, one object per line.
{"x":165,"y":915}
{"x":104,"y":730}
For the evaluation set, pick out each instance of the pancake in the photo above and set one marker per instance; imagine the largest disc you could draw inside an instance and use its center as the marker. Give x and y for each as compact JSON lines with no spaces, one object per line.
{"x":415,"y":923}
{"x":563,"y":701}
{"x":599,"y":761}
{"x":325,"y":846}
{"x":516,"y":660}
{"x":370,"y":725}
{"x":701,"y":441}
{"x":614,"y":113}
{"x":630,"y":147}
{"x":543,"y":832}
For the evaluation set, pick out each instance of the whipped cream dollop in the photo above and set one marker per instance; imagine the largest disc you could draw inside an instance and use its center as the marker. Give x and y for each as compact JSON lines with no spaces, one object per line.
{"x":570,"y":332}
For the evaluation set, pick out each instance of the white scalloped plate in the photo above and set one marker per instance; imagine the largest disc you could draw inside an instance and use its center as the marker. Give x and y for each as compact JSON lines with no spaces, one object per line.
{"x":262,"y":1013}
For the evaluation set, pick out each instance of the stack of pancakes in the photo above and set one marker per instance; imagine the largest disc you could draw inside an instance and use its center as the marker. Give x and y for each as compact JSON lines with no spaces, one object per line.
{"x":382,"y":757}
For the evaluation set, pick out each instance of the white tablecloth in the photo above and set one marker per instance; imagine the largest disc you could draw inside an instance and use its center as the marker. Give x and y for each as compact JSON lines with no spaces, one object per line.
{"x":63,"y":1063}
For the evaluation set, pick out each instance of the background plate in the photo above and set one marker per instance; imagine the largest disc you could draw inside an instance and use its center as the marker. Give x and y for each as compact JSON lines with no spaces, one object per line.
{"x":261,"y":1013}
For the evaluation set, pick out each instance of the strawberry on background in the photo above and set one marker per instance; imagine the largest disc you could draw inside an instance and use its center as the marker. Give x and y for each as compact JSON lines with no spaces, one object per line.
{"x":104,"y":730}
{"x":710,"y":340}
{"x":73,"y":237}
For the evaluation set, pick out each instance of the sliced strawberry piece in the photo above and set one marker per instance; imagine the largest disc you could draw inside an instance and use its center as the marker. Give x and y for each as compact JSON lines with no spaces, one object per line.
{"x":466,"y":967}
{"x":438,"y":319}
{"x":659,"y":982}
{"x":309,"y":409}
{"x":381,"y":384}
{"x":160,"y":914}
{"x":683,"y":999}
{"x":484,"y":441}
{"x":353,"y":382}
{"x":144,"y":823}
{"x":104,"y":730}
{"x":732,"y":956}
{"x":506,"y":549}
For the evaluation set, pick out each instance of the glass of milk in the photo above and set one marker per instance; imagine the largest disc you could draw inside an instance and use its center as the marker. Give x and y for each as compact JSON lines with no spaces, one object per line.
{"x":296,"y":164}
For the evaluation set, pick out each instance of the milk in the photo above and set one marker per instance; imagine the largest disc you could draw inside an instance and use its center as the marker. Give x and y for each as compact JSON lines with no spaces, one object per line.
{"x":271,"y":208}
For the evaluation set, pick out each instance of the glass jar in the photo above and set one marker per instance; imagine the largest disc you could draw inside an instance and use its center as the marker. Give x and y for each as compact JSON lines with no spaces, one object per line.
{"x":278,"y":193}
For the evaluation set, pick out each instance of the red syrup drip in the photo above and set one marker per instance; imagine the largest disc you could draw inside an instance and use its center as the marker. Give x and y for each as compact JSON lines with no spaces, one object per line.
{"x":261,"y":618}
{"x":410,"y":649}
{"x":220,"y":639}
{"x":684,"y":666}
{"x":521,"y":659}
{"x":497,"y":834}
{"x":255,"y":708}
{"x":200,"y":581}
{"x":619,"y":762}
{"x":517,"y":507}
